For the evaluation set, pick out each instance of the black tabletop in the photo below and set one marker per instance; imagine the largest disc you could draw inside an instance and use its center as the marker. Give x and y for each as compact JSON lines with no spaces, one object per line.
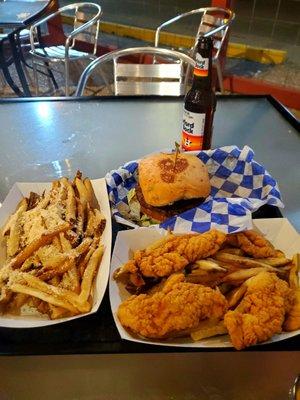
{"x":97,"y":333}
{"x":15,"y":14}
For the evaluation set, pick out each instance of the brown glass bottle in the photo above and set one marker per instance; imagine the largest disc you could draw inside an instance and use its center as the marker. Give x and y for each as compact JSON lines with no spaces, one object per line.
{"x":200,"y":101}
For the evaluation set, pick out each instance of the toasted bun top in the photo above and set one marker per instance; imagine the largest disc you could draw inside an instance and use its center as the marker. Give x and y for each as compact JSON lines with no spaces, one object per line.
{"x":164,"y":182}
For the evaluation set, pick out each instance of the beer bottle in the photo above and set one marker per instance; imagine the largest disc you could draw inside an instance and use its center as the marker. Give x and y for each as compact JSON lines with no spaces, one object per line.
{"x":200,"y":101}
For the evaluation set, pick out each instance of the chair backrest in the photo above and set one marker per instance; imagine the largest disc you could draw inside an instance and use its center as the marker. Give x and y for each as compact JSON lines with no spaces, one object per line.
{"x":214,"y":22}
{"x":163,"y":74}
{"x":148,"y":79}
{"x":84,"y":14}
{"x":85,"y":19}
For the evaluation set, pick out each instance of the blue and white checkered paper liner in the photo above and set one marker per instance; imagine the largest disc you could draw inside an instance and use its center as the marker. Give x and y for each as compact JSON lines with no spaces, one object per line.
{"x":240,"y":186}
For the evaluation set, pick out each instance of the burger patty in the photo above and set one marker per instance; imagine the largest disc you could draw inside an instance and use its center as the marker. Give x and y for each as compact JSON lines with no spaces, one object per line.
{"x":165,"y":212}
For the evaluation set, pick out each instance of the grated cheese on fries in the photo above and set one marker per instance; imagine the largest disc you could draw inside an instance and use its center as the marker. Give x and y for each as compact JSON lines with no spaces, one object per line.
{"x":54,"y":249}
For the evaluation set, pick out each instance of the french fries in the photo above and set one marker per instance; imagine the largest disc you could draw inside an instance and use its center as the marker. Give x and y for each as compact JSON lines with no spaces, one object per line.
{"x":208,"y":265}
{"x":232,"y":250}
{"x":13,"y":240}
{"x":91,"y":194}
{"x":89,"y":274}
{"x":208,"y":328}
{"x":294,"y":272}
{"x":241,"y":275}
{"x":292,"y":321}
{"x":239,"y":261}
{"x":275,"y":262}
{"x":43,"y":240}
{"x":235,"y":295}
{"x":54,"y":250}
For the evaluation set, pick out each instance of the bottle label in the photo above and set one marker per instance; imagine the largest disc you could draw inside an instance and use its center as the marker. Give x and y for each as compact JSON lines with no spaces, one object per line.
{"x":201,"y":67}
{"x":192,"y":130}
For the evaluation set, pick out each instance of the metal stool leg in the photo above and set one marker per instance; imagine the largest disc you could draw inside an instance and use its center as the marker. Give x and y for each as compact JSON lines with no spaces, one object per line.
{"x":27,"y":74}
{"x":51,"y":75}
{"x":2,"y":79}
{"x":18,"y":65}
{"x":67,"y":89}
{"x":35,"y":77}
{"x":25,"y":64}
{"x":7,"y":74}
{"x":103,"y":76}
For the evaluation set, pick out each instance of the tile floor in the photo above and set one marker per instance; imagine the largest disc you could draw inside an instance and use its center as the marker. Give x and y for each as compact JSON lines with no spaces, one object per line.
{"x":287,"y":73}
{"x":270,"y":24}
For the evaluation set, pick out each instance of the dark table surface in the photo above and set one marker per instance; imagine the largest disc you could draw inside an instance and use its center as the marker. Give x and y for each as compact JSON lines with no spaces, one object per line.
{"x":15,"y":14}
{"x":45,"y":139}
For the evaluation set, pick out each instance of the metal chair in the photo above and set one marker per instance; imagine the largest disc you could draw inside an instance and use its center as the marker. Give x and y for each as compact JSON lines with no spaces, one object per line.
{"x":4,"y":63}
{"x":164,"y":75}
{"x":6,"y":60}
{"x":215,"y":23}
{"x":86,"y":19}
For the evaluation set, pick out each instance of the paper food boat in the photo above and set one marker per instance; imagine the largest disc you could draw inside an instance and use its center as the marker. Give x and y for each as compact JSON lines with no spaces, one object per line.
{"x":278,"y":230}
{"x":16,"y":193}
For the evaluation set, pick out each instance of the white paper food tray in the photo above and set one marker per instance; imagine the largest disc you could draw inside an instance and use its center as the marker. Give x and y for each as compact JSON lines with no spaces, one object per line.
{"x":278,"y":230}
{"x":8,"y":207}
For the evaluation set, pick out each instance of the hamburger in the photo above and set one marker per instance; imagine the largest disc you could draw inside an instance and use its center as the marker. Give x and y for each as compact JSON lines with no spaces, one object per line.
{"x":169,"y":184}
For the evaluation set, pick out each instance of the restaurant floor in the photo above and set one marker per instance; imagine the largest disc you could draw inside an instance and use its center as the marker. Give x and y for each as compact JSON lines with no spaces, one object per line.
{"x":265,"y":24}
{"x":269,"y":24}
{"x":287,"y":73}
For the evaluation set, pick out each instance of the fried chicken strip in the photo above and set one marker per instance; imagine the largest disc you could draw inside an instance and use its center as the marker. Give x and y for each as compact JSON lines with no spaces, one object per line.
{"x":252,"y":243}
{"x":173,"y":311}
{"x":174,"y":254}
{"x":261,"y":313}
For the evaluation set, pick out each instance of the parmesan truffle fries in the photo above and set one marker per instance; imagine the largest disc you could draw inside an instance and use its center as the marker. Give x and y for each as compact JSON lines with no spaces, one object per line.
{"x":53,"y":251}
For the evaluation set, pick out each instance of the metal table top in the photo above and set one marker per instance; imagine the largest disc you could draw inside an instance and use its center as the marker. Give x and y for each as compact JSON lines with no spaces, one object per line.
{"x":15,"y":14}
{"x":45,"y":139}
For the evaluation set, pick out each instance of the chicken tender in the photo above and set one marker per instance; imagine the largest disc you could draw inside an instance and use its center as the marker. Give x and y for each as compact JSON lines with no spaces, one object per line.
{"x":174,"y":254}
{"x":261,"y":313}
{"x":252,"y":243}
{"x":173,"y":311}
